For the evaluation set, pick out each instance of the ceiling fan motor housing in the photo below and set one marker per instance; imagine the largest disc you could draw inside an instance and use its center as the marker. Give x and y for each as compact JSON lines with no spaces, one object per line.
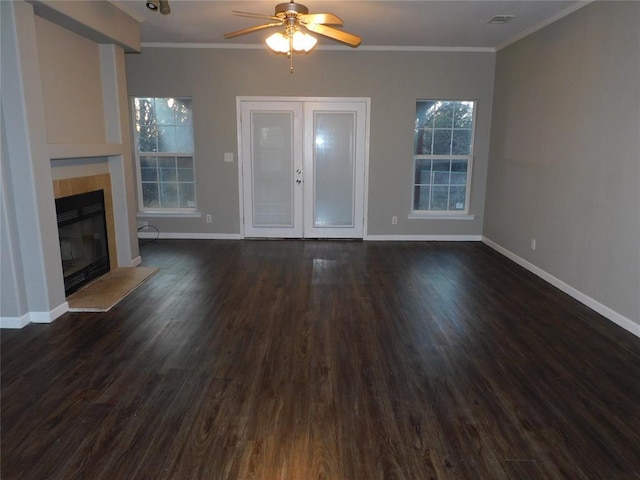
{"x":290,"y":9}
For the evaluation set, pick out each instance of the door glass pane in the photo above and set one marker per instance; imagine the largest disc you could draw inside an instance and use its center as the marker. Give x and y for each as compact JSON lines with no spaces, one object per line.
{"x":334,"y":159}
{"x":272,"y":168}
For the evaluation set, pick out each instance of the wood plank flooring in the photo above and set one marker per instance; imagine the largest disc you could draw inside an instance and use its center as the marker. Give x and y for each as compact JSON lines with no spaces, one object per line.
{"x":309,"y":360}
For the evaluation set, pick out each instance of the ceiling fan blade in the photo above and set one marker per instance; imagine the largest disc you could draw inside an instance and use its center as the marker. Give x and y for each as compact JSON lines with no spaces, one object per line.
{"x":251,"y":29}
{"x":255,"y":15}
{"x":339,"y":35}
{"x":321,"y":18}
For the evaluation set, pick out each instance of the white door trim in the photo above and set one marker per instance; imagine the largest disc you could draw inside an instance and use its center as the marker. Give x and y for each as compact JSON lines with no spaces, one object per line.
{"x":293,"y":111}
{"x":365,"y":100}
{"x":357,"y":111}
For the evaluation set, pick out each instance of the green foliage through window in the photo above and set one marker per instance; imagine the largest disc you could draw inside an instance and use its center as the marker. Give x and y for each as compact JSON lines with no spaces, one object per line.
{"x":442,"y":149}
{"x":164,"y":152}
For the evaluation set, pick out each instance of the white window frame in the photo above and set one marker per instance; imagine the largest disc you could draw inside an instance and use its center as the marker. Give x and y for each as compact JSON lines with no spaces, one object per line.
{"x":449,"y":214}
{"x":159,"y":211}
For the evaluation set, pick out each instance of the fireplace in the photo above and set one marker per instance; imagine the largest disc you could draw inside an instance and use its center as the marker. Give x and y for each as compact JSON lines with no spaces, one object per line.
{"x":83,"y":238}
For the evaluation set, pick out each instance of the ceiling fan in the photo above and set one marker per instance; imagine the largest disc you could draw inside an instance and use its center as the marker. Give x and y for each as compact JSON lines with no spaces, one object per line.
{"x":295,"y":17}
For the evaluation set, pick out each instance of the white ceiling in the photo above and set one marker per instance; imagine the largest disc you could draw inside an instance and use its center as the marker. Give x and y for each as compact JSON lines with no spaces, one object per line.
{"x":392,"y":24}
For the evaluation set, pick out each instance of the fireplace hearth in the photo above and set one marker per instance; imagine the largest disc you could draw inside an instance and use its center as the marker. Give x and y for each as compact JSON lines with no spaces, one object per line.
{"x":83,"y":238}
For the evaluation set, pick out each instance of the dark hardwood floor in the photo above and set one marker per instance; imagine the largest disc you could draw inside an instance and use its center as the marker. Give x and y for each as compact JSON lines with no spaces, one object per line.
{"x":326,"y":360}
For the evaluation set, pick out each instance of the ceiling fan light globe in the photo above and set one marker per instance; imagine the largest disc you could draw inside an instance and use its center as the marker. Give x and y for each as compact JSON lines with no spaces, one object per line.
{"x":278,"y":43}
{"x":303,"y":42}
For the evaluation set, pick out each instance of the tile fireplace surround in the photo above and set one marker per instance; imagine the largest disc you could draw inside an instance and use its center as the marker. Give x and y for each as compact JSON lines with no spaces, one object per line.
{"x":74,"y":186}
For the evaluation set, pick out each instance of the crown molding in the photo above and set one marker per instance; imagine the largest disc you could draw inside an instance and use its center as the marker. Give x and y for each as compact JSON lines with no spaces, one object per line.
{"x":366,"y":48}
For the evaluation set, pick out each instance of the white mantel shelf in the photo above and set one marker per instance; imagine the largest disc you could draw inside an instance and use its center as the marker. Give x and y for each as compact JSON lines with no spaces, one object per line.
{"x":60,"y":151}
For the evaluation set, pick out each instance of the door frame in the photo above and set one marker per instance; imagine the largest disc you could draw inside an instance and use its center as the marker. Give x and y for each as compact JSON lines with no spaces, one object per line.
{"x":265,"y":99}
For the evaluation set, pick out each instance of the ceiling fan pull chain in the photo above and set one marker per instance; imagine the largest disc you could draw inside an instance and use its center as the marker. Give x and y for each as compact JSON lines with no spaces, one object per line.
{"x":290,"y":54}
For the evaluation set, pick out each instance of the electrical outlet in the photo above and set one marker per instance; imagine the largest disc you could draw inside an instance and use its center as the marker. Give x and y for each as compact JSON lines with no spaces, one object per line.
{"x":533,"y":244}
{"x":208,"y":218}
{"x":394,"y":220}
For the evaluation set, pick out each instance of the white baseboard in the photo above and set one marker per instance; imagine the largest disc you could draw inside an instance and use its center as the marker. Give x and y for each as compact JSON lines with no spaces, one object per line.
{"x":136,"y":261}
{"x":48,"y":317}
{"x":189,"y":236}
{"x":34,"y":317}
{"x":237,"y":236}
{"x":598,"y":307}
{"x":424,"y":238}
{"x":15,"y":322}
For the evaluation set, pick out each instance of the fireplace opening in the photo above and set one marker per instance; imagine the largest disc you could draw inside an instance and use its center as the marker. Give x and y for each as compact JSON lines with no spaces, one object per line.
{"x":82,"y":232}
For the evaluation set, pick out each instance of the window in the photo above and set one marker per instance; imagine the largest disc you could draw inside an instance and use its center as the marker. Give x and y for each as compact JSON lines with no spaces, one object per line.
{"x":442,"y":154}
{"x":163,"y":136}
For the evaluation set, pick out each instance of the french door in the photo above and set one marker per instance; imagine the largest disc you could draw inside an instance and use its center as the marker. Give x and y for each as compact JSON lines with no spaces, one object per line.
{"x":303,"y":167}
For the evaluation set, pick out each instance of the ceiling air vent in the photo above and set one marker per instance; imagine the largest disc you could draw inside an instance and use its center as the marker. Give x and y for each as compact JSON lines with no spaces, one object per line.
{"x":500,"y":19}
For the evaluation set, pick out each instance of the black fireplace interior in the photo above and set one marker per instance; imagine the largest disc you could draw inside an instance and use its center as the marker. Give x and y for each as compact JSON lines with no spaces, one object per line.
{"x":83,"y":238}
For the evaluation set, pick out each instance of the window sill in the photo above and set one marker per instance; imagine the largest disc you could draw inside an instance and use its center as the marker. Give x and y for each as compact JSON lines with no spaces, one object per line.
{"x":443,"y":216}
{"x":156,"y":214}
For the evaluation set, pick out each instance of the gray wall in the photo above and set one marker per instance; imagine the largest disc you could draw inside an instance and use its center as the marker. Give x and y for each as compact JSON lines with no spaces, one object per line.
{"x":393,"y":81}
{"x":564,"y":165}
{"x":37,"y":271}
{"x":13,"y":293}
{"x":71,"y":84}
